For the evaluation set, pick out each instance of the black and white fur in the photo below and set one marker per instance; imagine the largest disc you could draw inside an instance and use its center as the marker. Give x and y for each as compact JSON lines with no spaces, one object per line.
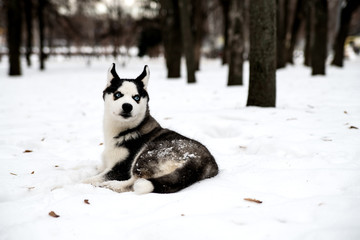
{"x":139,"y":154}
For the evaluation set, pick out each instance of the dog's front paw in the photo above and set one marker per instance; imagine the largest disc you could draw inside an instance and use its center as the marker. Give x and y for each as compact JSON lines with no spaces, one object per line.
{"x":95,"y":181}
{"x":117,"y":186}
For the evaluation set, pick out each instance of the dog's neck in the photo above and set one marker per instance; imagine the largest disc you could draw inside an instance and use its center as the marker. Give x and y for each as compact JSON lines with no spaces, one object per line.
{"x":118,"y":133}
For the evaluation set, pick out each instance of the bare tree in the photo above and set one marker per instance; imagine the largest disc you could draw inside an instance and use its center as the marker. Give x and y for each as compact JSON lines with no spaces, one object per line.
{"x":298,"y":18}
{"x":319,"y":46}
{"x":169,"y":13}
{"x":29,"y":27}
{"x":262,"y":86}
{"x":281,"y":32}
{"x":14,"y":24}
{"x":41,"y":9}
{"x":199,"y":19}
{"x":236,"y":43}
{"x":115,"y":14}
{"x":348,"y":8}
{"x":225,"y":5}
{"x":309,"y":31}
{"x":187,"y":38}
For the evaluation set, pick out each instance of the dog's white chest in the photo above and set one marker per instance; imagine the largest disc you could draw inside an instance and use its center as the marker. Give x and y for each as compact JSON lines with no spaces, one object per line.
{"x":112,"y":155}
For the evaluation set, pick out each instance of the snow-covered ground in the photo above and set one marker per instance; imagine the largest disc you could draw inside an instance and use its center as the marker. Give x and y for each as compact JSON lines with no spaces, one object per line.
{"x":301,"y":159}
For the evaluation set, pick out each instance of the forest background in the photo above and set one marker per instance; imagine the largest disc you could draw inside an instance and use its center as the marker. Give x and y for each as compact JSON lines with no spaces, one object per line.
{"x":270,"y":34}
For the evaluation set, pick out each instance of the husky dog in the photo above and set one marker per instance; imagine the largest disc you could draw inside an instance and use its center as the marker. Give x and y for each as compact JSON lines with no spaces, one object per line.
{"x":139,"y":154}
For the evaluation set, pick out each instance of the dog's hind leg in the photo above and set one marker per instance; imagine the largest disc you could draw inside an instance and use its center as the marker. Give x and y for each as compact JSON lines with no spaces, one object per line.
{"x":174,"y":181}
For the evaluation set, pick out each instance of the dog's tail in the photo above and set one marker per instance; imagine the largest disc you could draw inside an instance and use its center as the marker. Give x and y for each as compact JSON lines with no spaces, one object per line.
{"x":177,"y":180}
{"x":143,"y":186}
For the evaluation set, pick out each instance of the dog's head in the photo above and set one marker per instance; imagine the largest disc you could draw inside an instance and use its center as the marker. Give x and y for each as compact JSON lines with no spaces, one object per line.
{"x":126,"y":100}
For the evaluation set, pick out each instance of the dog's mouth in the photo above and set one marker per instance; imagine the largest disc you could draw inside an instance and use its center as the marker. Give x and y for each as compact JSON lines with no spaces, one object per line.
{"x":126,"y":115}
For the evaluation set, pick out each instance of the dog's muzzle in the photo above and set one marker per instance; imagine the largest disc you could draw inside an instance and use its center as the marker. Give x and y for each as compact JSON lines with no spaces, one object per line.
{"x":127,"y":108}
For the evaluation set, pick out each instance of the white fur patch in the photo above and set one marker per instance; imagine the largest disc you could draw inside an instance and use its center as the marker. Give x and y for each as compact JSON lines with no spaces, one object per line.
{"x":118,"y":186}
{"x":143,"y":186}
{"x":112,"y":155}
{"x":127,"y":137}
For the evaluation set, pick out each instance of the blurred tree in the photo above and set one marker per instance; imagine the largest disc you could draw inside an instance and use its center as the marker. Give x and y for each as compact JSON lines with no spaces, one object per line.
{"x":187,"y":39}
{"x":150,"y":38}
{"x":14,"y":24}
{"x":348,"y":8}
{"x":115,"y":15}
{"x":281,"y":32}
{"x":172,"y":35}
{"x":236,"y":44}
{"x":29,"y":30}
{"x":309,"y":31}
{"x":198,"y":22}
{"x":319,"y":46}
{"x":40,"y":13}
{"x":298,"y":18}
{"x":225,"y":6}
{"x":169,"y":13}
{"x":262,"y":85}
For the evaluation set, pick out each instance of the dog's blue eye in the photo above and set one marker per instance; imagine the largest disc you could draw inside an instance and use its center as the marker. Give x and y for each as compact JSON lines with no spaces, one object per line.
{"x":136,"y":98}
{"x":118,"y":95}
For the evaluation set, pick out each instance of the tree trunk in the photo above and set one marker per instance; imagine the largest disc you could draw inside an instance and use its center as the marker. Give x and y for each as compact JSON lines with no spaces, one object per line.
{"x":29,"y":27}
{"x":262,"y":86}
{"x":281,"y":27}
{"x":309,"y":32}
{"x":188,"y":46}
{"x":14,"y":20}
{"x":298,"y":18}
{"x":199,"y":18}
{"x":171,"y":37}
{"x":319,"y":48}
{"x":41,"y":7}
{"x":225,"y":5}
{"x":345,"y":20}
{"x":236,"y":43}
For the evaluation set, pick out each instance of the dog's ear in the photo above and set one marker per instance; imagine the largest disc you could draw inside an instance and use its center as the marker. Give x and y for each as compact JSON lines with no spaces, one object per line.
{"x":144,"y":76}
{"x":111,"y":74}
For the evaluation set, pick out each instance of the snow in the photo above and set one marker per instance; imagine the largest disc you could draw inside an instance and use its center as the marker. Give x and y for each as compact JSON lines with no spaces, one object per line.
{"x":301,"y":159}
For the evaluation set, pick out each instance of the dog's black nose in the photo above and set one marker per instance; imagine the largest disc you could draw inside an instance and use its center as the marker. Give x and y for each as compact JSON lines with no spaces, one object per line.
{"x":127,"y":107}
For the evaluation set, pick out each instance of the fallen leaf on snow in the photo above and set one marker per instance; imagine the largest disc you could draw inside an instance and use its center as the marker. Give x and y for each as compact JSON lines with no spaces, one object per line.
{"x":53,"y":214}
{"x":353,"y":127}
{"x":13,"y":174}
{"x":86,"y":201}
{"x":32,"y":172}
{"x":252,"y":200}
{"x":27,"y":151}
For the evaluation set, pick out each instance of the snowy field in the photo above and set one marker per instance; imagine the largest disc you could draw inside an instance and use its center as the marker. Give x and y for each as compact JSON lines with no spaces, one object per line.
{"x":301,"y":159}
